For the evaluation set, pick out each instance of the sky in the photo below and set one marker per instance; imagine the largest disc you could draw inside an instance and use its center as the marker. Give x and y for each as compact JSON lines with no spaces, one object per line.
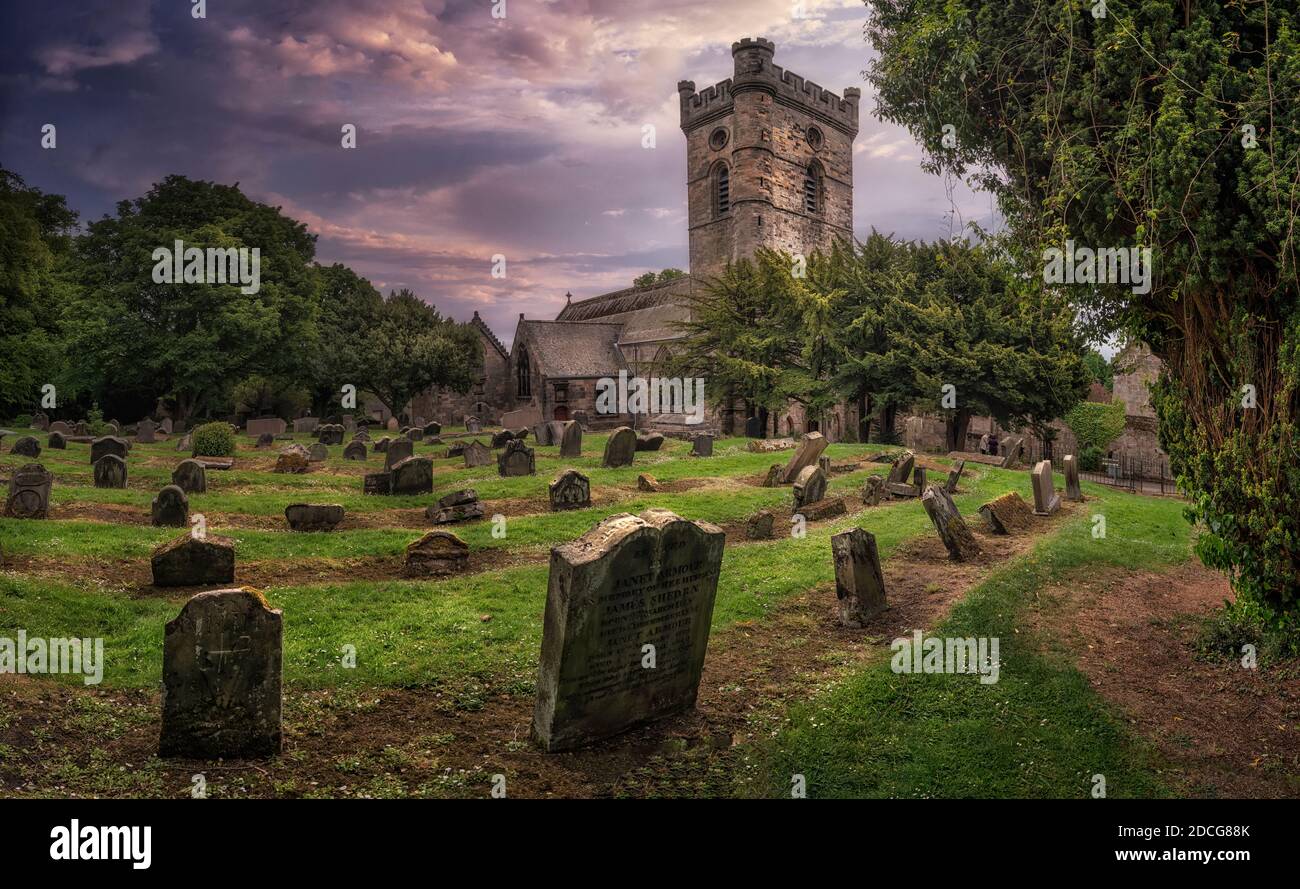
{"x":477,"y":134}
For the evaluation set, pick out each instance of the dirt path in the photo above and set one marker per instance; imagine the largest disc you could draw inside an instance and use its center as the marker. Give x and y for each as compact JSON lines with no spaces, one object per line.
{"x":1228,"y":731}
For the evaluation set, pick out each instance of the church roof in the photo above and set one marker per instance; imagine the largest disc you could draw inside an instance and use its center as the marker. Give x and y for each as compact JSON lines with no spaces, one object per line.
{"x":487,"y":331}
{"x":620,"y":302}
{"x":573,"y":349}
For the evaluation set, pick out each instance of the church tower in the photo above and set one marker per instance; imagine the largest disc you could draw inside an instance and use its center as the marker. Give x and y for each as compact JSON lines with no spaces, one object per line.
{"x":769,"y":161}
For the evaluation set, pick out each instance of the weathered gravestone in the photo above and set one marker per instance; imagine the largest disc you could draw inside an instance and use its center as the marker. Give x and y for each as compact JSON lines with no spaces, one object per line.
{"x":414,"y":475}
{"x":81,"y":428}
{"x":306,"y":424}
{"x":805,"y":455}
{"x":517,"y":459}
{"x":859,"y":583}
{"x":1072,"y":489}
{"x":191,"y":476}
{"x":194,"y":561}
{"x":499,"y":439}
{"x":918,"y":480}
{"x":263,"y":425}
{"x":57,"y":441}
{"x":110,"y":472}
{"x":456,"y":450}
{"x":954,"y":476}
{"x":477,"y":454}
{"x":759,"y":525}
{"x":572,"y":490}
{"x":1006,"y":514}
{"x":398,"y":450}
{"x":60,"y":427}
{"x":265,"y":440}
{"x":170,"y":509}
{"x":27,"y":446}
{"x":318,"y":453}
{"x":313,"y":516}
{"x":377,"y":483}
{"x":902,"y":468}
{"x":330,"y":434}
{"x":651,"y":441}
{"x":826,"y":508}
{"x":166,"y":425}
{"x":1046,"y":501}
{"x":571,"y":439}
{"x":415,"y":433}
{"x":436,"y":554}
{"x":873,"y":490}
{"x":473,"y":425}
{"x":41,"y":422}
{"x":29,"y":492}
{"x":292,"y":459}
{"x":773,"y":477}
{"x":954,"y":533}
{"x":753,"y":427}
{"x":458,"y":506}
{"x":381,"y":446}
{"x":702,"y":445}
{"x":825,"y":463}
{"x":1011,"y":449}
{"x":628,"y":583}
{"x":809,"y":487}
{"x":433,"y":428}
{"x":221,"y":677}
{"x":186,"y":443}
{"x":355,"y":450}
{"x":144,"y":431}
{"x":108,"y":444}
{"x":521,"y":434}
{"x":620,"y":448}
{"x":542,"y":434}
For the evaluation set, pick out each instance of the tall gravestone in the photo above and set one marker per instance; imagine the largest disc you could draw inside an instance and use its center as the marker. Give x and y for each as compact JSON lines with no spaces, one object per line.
{"x":805,"y":455}
{"x":1072,"y":490}
{"x":702,"y":445}
{"x":144,"y":431}
{"x":29,"y":492}
{"x":859,"y":582}
{"x":222,"y":660}
{"x":571,"y":439}
{"x":901,"y":469}
{"x":954,"y":533}
{"x":398,"y":450}
{"x":572,"y":490}
{"x":954,"y":476}
{"x":1046,"y":500}
{"x":110,"y":472}
{"x":620,"y":449}
{"x":414,"y":475}
{"x":628,"y":610}
{"x":542,"y":433}
{"x":753,"y":427}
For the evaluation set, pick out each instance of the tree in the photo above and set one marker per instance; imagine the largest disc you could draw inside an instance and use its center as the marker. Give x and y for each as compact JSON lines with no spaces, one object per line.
{"x":1167,"y":125}
{"x":349,"y":307}
{"x":651,"y":278}
{"x":1099,"y":368}
{"x":411,"y":347}
{"x":1095,"y":425}
{"x":35,"y":236}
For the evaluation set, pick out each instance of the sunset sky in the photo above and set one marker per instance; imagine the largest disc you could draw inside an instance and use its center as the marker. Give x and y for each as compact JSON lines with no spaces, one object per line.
{"x":477,"y":136}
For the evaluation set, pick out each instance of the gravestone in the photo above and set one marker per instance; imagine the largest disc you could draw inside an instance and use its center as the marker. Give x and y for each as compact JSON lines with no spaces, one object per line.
{"x":651,"y":441}
{"x":521,"y":434}
{"x":110,"y":472}
{"x":1046,"y":500}
{"x":1011,"y":449}
{"x":456,"y":450}
{"x":60,"y":427}
{"x":954,"y":533}
{"x":434,"y":428}
{"x":398,"y":450}
{"x":392,"y":425}
{"x":629,"y":582}
{"x":377,"y":483}
{"x":620,"y":449}
{"x":41,"y":422}
{"x":918,"y":480}
{"x":647,"y":483}
{"x":702,"y":445}
{"x":356,"y":450}
{"x":191,"y":476}
{"x":517,"y":459}
{"x":170,"y":509}
{"x":194,"y":561}
{"x":414,"y":475}
{"x":318,"y":453}
{"x":873,"y":490}
{"x":542,"y":434}
{"x":361,"y":435}
{"x":144,"y":431}
{"x":57,"y":441}
{"x":313,"y":516}
{"x":859,"y":583}
{"x":753,"y":427}
{"x":27,"y":446}
{"x":768,"y":446}
{"x":809,"y":487}
{"x":306,"y":424}
{"x":221,"y":678}
{"x":415,"y":433}
{"x":826,"y":508}
{"x":186,"y":443}
{"x":264,"y":441}
{"x":29,"y":492}
{"x":571,"y":439}
{"x":80,"y":428}
{"x":805,"y":455}
{"x":262,"y":425}
{"x":954,"y":476}
{"x":1072,"y":489}
{"x":477,"y":454}
{"x":108,"y":444}
{"x":1006,"y":514}
{"x":292,"y":459}
{"x":166,"y":425}
{"x":330,"y":434}
{"x":458,"y":506}
{"x":381,"y":446}
{"x":436,"y":554}
{"x":759,"y":525}
{"x":572,"y":490}
{"x":902,"y":468}
{"x":825,"y":463}
{"x":473,"y":425}
{"x":499,"y":439}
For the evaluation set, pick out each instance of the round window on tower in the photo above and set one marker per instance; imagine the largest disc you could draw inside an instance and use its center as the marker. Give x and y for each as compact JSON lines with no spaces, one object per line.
{"x":718,"y":139}
{"x":815,"y":138}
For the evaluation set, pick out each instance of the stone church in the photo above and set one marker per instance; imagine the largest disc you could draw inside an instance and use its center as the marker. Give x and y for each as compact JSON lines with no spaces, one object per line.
{"x":769,"y":164}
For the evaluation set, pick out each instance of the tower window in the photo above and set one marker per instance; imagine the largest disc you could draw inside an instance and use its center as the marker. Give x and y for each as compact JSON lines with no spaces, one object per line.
{"x":721,"y":190}
{"x":718,"y":139}
{"x":812,"y":188}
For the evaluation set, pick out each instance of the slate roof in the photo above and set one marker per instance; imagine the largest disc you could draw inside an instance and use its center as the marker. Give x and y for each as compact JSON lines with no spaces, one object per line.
{"x":632,"y":299}
{"x":573,"y":348}
{"x":492,"y":337}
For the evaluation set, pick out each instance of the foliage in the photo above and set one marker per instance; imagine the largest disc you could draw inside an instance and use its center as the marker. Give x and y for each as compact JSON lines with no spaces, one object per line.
{"x":349,"y":306}
{"x":1095,"y":425}
{"x":1099,"y":368}
{"x":1090,"y":458}
{"x":651,"y":278}
{"x":213,"y":440}
{"x":261,"y":396}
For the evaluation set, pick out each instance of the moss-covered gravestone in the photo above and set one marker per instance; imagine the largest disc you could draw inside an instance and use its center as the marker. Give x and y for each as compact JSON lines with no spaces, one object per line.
{"x":110,"y":472}
{"x":572,"y":490}
{"x":859,"y":583}
{"x":620,"y":448}
{"x":190,"y":560}
{"x":29,"y":492}
{"x":954,"y":533}
{"x":191,"y":476}
{"x":628,"y":610}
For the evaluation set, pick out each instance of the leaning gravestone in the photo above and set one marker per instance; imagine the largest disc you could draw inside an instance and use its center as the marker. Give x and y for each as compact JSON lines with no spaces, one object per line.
{"x":902,"y":468}
{"x":27,"y":446}
{"x":859,"y":583}
{"x":517,"y":459}
{"x":702,"y":445}
{"x":191,"y":476}
{"x":170,"y":509}
{"x":1011,"y":449}
{"x":1072,"y":490}
{"x":954,"y":476}
{"x":221,"y":678}
{"x":952,"y":529}
{"x":144,"y":431}
{"x":499,"y":439}
{"x":458,"y":506}
{"x":108,"y":444}
{"x":1046,"y":500}
{"x":805,"y":455}
{"x":356,"y":450}
{"x":436,"y":554}
{"x":194,"y":561}
{"x":542,"y":434}
{"x":313,"y":516}
{"x":110,"y":472}
{"x":620,"y":449}
{"x":398,"y":450}
{"x":1006,"y":514}
{"x":571,"y":439}
{"x":873,"y":490}
{"x":632,"y":588}
{"x":572,"y":490}
{"x":57,"y":442}
{"x":414,"y":475}
{"x":29,"y":492}
{"x":809,"y":487}
{"x":477,"y":454}
{"x":652,"y":441}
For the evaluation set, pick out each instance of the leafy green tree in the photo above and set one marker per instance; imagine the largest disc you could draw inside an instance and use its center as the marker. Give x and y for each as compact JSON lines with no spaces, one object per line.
{"x":411,"y":347}
{"x":1095,"y":425}
{"x":1167,"y":125}
{"x":349,"y":307}
{"x":1099,"y":369}
{"x":651,"y":278}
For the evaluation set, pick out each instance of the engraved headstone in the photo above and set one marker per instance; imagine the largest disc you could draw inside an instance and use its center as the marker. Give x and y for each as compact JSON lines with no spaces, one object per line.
{"x":620,"y":449}
{"x":377,"y":483}
{"x":171,"y":508}
{"x":477,"y":454}
{"x":436,"y":554}
{"x":1046,"y":500}
{"x":809,"y":487}
{"x":414,"y":475}
{"x":517,"y":459}
{"x":221,"y":678}
{"x":191,"y":476}
{"x":1072,"y":489}
{"x":902,"y":468}
{"x":805,"y":455}
{"x":572,"y":490}
{"x":628,"y":611}
{"x":27,"y":446}
{"x":29,"y":492}
{"x":398,"y":450}
{"x":473,"y":425}
{"x":110,"y":472}
{"x":571,"y":439}
{"x":194,"y":561}
{"x":859,"y":583}
{"x":330,"y":434}
{"x":954,"y":533}
{"x":702,"y":445}
{"x":313,"y":516}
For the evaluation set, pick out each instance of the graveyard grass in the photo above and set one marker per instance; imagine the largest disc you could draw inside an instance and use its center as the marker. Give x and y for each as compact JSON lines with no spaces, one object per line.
{"x":471,"y":638}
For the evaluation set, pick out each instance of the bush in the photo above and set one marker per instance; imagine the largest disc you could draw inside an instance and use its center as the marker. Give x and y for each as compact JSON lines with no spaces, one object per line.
{"x":1090,"y":459}
{"x":95,"y":424}
{"x":213,"y":440}
{"x":23,"y":421}
{"x":1095,"y":425}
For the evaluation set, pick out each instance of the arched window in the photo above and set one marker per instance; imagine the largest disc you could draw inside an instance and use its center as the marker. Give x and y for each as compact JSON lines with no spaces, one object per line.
{"x":525,"y":387}
{"x":721,"y":190}
{"x":812,"y":188}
